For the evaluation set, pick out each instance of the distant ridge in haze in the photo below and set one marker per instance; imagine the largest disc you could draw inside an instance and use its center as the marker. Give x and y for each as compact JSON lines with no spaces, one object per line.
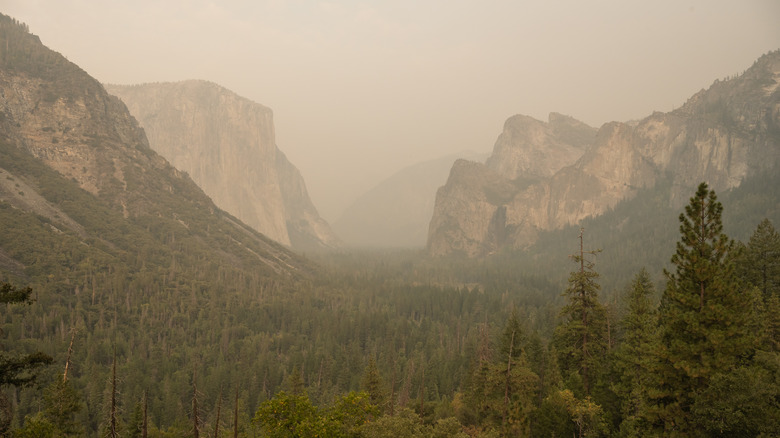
{"x":396,"y":212}
{"x":226,"y":143}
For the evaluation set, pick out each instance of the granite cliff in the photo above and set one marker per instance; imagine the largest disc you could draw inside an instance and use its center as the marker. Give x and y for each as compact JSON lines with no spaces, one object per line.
{"x":227,"y":145}
{"x":720,"y":135}
{"x":74,"y":160}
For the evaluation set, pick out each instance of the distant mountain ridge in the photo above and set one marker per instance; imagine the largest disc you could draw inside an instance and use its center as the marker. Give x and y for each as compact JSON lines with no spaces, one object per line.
{"x":226,"y":143}
{"x":395,"y":213}
{"x":722,"y":135}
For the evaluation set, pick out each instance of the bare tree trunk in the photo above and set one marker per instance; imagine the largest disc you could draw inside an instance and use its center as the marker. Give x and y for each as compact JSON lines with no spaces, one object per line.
{"x":235,"y":416}
{"x":392,"y":391}
{"x":216,"y":421}
{"x":70,"y":351}
{"x":145,"y":423}
{"x":195,"y":413}
{"x":508,"y":370}
{"x":422,"y":392}
{"x":112,"y":417}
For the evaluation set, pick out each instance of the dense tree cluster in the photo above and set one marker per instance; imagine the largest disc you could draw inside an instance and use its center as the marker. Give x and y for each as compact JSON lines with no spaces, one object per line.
{"x":358,"y":354}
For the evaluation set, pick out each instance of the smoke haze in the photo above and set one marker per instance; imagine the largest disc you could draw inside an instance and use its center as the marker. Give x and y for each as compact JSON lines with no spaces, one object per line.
{"x":361,"y":89}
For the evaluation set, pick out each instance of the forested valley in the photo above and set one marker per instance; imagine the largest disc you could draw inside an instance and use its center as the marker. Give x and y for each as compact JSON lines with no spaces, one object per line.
{"x":376,"y":344}
{"x":134,"y":307}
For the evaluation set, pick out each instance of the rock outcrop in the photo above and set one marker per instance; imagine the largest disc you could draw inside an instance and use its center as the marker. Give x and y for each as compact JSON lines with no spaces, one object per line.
{"x":227,"y":145}
{"x":54,"y":116}
{"x":721,"y":135}
{"x":530,"y":149}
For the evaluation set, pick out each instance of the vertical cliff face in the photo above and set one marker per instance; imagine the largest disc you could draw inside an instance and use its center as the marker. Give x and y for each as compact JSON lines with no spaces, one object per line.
{"x":531,"y":149}
{"x":226,"y":143}
{"x":721,"y":135}
{"x":73,"y":155}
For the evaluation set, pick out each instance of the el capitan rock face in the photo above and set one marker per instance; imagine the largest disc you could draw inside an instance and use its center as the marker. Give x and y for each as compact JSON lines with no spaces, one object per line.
{"x":721,"y":135}
{"x":74,"y":156}
{"x":227,"y":145}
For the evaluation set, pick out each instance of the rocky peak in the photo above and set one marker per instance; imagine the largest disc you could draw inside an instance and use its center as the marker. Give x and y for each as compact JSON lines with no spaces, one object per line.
{"x":721,"y":135}
{"x":531,"y":149}
{"x":227,"y":144}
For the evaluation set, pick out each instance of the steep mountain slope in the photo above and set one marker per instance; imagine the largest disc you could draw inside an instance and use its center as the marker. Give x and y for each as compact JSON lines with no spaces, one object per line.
{"x":396,"y":212}
{"x":120,"y":248}
{"x":227,"y":145}
{"x":722,"y":135}
{"x":71,"y":153}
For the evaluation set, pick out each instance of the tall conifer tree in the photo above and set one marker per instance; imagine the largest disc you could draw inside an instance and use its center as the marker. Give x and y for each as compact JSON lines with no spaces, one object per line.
{"x":581,"y":339}
{"x":704,"y":315}
{"x":372,"y":384}
{"x":762,"y":259}
{"x":634,"y":357}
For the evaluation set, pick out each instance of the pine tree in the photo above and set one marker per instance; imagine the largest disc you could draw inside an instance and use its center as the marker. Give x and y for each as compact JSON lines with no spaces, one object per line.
{"x":295,"y":382}
{"x":372,"y":384}
{"x":502,"y":387}
{"x":196,"y":420}
{"x":634,"y":357}
{"x":111,"y":428}
{"x":515,"y":379}
{"x":19,"y":370}
{"x":762,"y":259}
{"x":704,"y":318}
{"x":476,"y":395}
{"x":61,"y":402}
{"x":581,"y":338}
{"x":772,"y":323}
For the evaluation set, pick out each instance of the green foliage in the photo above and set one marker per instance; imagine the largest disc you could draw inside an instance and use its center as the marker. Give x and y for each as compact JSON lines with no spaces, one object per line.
{"x":634,"y":358}
{"x":700,"y":295}
{"x":406,"y":424}
{"x":295,"y":416}
{"x":552,"y":418}
{"x":351,"y":413}
{"x":289,"y":416}
{"x":761,"y":264}
{"x":372,"y":384}
{"x":741,"y":402}
{"x":586,"y":415}
{"x":581,"y":339}
{"x":21,"y":369}
{"x":11,"y":295}
{"x":502,"y":387}
{"x":61,"y":402}
{"x":17,"y":369}
{"x":36,"y":426}
{"x":156,"y":271}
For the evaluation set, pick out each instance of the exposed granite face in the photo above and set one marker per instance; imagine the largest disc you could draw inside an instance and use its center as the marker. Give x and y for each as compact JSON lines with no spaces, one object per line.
{"x":531,"y":149}
{"x":721,"y":135}
{"x":227,"y":145}
{"x":78,"y":130}
{"x":57,"y":113}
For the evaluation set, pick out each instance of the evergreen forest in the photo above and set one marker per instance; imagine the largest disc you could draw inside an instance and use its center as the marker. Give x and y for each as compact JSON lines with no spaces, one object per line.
{"x":140,"y":309}
{"x":377,"y":344}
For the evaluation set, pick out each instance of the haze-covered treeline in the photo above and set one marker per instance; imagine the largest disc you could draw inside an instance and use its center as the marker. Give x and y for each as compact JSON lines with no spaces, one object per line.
{"x":367,"y":349}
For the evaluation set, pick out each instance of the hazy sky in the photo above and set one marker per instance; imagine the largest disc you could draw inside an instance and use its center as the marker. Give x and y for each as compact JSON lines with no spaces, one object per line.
{"x":361,"y":89}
